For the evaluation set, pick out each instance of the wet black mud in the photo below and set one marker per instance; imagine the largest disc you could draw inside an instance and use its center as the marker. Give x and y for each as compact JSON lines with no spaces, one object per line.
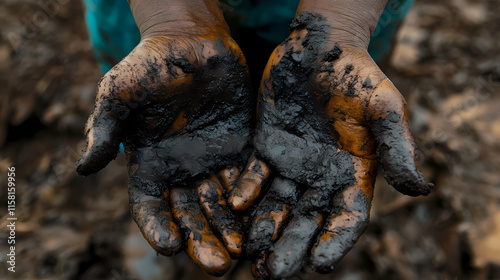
{"x":326,"y":256}
{"x":217,"y":129}
{"x":293,"y":133}
{"x":282,"y":196}
{"x":396,"y":159}
{"x":215,"y":111}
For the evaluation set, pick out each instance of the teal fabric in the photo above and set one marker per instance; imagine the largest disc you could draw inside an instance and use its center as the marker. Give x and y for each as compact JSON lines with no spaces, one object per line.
{"x":270,"y":19}
{"x":381,"y":42}
{"x":113,"y":32}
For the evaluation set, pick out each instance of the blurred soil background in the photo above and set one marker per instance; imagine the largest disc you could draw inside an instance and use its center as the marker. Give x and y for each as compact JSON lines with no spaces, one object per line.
{"x":446,"y":62}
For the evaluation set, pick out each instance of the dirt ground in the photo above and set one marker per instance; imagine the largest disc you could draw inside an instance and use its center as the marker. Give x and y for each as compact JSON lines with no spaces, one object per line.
{"x":446,"y":62}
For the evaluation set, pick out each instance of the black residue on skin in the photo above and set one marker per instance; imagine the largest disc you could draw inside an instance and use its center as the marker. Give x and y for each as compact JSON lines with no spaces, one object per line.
{"x":217,"y":104}
{"x":367,"y":83}
{"x":348,"y":69}
{"x":218,"y":126}
{"x":211,"y":196}
{"x":351,"y":91}
{"x":334,"y":54}
{"x":392,"y":152}
{"x":282,"y":192}
{"x":184,"y":65}
{"x":151,"y":219}
{"x":325,"y":258}
{"x":259,"y":270}
{"x":261,"y":233}
{"x":300,"y":233}
{"x":314,"y":201}
{"x":100,"y":159}
{"x":295,"y":239}
{"x":294,"y":134}
{"x":148,"y":187}
{"x":222,"y":220}
{"x":188,"y":207}
{"x":197,"y":236}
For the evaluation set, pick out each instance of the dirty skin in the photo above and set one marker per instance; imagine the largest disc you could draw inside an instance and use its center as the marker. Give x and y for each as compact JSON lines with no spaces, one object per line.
{"x":179,"y":132}
{"x":293,"y":133}
{"x":202,"y":245}
{"x":220,"y":216}
{"x":271,"y":213}
{"x":183,"y":109}
{"x":249,"y":185}
{"x":326,"y":115}
{"x":349,"y":218}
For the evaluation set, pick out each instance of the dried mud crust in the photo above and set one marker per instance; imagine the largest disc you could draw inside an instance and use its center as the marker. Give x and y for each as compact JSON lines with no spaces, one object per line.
{"x":292,"y":134}
{"x":317,"y":112}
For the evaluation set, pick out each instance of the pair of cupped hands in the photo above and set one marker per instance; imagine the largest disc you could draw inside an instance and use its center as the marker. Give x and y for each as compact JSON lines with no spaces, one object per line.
{"x":284,"y":179}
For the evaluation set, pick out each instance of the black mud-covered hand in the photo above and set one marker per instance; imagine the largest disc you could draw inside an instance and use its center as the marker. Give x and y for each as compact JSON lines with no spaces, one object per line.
{"x":182,"y":107}
{"x":326,"y":116}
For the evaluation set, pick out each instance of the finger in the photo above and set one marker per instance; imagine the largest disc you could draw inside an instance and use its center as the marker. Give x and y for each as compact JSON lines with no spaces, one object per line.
{"x":152,"y":215}
{"x":348,"y":220}
{"x":228,"y":178}
{"x":270,"y":215}
{"x":249,"y":186}
{"x":259,"y":270}
{"x":223,"y":221}
{"x":290,"y":251}
{"x":202,"y":246}
{"x":395,"y":146}
{"x":104,"y":128}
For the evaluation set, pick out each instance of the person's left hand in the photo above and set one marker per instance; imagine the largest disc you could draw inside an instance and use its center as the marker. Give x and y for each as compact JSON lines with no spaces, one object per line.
{"x":326,"y":115}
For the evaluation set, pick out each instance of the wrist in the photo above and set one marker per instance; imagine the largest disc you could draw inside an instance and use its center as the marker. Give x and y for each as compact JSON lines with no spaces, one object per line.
{"x":351,"y":23}
{"x":176,"y":17}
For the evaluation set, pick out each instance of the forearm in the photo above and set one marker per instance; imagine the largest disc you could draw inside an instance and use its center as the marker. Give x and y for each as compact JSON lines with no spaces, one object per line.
{"x":352,"y":22}
{"x":194,"y":17}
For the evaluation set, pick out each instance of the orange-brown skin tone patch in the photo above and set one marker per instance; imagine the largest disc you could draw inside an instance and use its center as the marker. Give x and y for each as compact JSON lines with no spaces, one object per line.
{"x":202,"y":246}
{"x":213,"y":203}
{"x":178,"y":124}
{"x":291,"y":249}
{"x":270,"y":216}
{"x":228,"y":178}
{"x":249,"y":186}
{"x":279,"y":217}
{"x":157,"y":226}
{"x":343,"y":227}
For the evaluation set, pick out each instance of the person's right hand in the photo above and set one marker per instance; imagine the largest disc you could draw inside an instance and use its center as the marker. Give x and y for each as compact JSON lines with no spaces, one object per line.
{"x":181,"y":105}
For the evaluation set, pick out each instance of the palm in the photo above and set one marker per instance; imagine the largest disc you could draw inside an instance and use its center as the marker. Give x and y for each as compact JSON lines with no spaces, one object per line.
{"x":326,"y":116}
{"x":168,"y":94}
{"x":182,"y":107}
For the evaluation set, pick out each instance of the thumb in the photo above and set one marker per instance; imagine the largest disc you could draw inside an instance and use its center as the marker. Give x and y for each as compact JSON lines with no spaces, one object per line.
{"x":104,"y":128}
{"x":395,"y":145}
